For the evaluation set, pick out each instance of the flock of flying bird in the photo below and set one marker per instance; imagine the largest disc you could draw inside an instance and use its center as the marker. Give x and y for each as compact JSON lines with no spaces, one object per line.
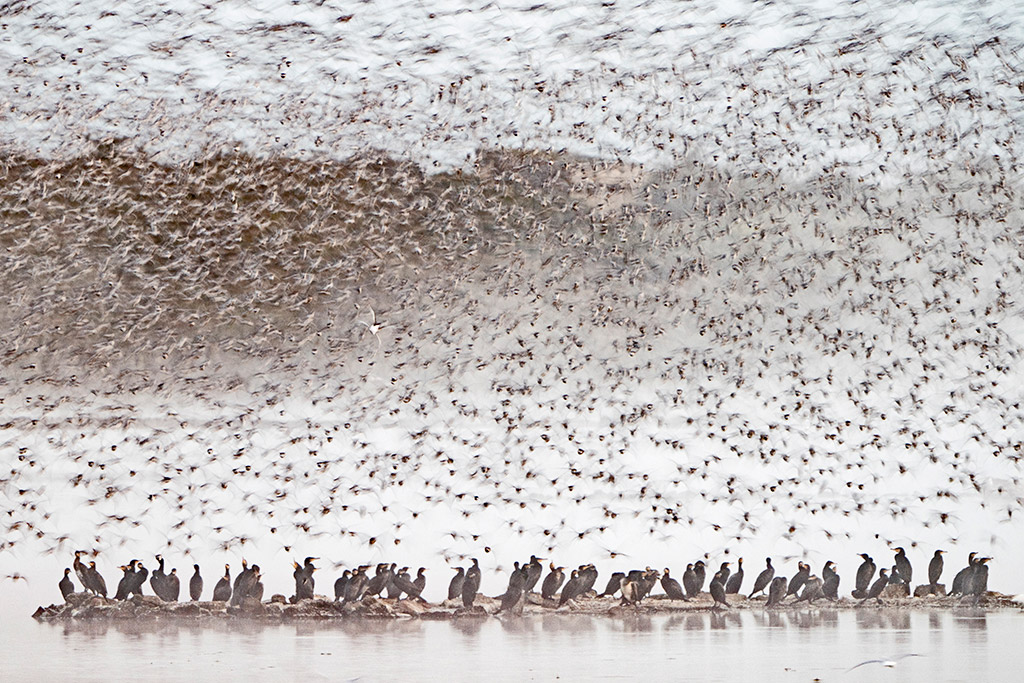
{"x":539,"y":352}
{"x":556,"y":590}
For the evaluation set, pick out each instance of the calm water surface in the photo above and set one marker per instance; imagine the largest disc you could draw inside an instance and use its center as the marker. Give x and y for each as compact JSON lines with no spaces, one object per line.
{"x":963,"y":645}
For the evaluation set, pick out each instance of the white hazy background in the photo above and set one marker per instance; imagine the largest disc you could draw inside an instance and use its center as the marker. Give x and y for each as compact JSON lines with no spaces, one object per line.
{"x":624,"y":282}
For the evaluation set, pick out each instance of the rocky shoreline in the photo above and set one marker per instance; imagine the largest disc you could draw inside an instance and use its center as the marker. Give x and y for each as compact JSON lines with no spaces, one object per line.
{"x":86,"y":607}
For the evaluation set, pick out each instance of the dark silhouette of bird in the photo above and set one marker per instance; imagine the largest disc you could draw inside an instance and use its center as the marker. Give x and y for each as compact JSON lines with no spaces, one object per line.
{"x":906,"y":572}
{"x":245,"y":583}
{"x":95,"y":580}
{"x":812,"y":590}
{"x":735,"y":582}
{"x":172,"y":586}
{"x":304,"y":582}
{"x":471,"y":584}
{"x":699,"y":573}
{"x":830,"y":581}
{"x":222,"y":589}
{"x":404,"y":584}
{"x":66,"y":586}
{"x":420,"y":582}
{"x":124,"y":586}
{"x":356,"y":588}
{"x":798,"y":580}
{"x":723,"y":574}
{"x":512,"y":598}
{"x":379,"y":581}
{"x":340,"y":584}
{"x":195,"y":584}
{"x":646,"y":582}
{"x":156,"y":579}
{"x":690,"y":586}
{"x":935,"y":571}
{"x":717,"y":590}
{"x":979,"y":579}
{"x":138,"y":580}
{"x":552,"y":582}
{"x":764,"y":578}
{"x":613,"y":586}
{"x":875,"y":591}
{"x":455,"y":585}
{"x":671,"y":587}
{"x":776,"y":591}
{"x":958,"y":586}
{"x":81,"y":571}
{"x":534,"y":569}
{"x":571,"y":588}
{"x":242,"y":582}
{"x":865,"y":572}
{"x":393,"y":590}
{"x":588,"y":577}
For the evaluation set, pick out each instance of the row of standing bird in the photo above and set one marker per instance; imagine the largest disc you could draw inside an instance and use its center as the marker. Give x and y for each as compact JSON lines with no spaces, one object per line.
{"x":556,"y":590}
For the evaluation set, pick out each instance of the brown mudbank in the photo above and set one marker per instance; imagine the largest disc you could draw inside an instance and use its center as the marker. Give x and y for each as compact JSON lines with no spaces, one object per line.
{"x":82,"y":606}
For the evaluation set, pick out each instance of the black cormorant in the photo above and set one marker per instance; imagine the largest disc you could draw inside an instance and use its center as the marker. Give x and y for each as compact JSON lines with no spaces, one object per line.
{"x":571,"y":588}
{"x":534,"y":569}
{"x":865,"y":572}
{"x":717,"y":590}
{"x":138,"y":580}
{"x":471,"y":584}
{"x":455,"y":585}
{"x":66,"y":586}
{"x":671,"y":587}
{"x":512,"y":598}
{"x":812,"y":590}
{"x":935,"y":571}
{"x":958,"y":587}
{"x":877,"y":587}
{"x":340,"y":583}
{"x":690,"y":581}
{"x":376,"y":584}
{"x":156,"y":579}
{"x":764,"y":578}
{"x":723,"y":574}
{"x":903,"y":566}
{"x":81,"y":571}
{"x":830,"y":581}
{"x":799,"y":579}
{"x":614,"y":584}
{"x":552,"y":582}
{"x":124,"y":585}
{"x":699,"y":572}
{"x":735,"y":582}
{"x":95,"y":580}
{"x":195,"y":584}
{"x":394,"y":591}
{"x":356,"y":588}
{"x":222,"y":590}
{"x":172,"y":586}
{"x":776,"y":591}
{"x":588,"y":577}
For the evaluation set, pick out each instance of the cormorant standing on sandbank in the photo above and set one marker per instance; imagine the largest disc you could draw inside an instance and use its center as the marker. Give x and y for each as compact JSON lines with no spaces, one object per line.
{"x":736,"y":580}
{"x":935,"y":571}
{"x":471,"y":584}
{"x":671,"y":587}
{"x":552,"y":582}
{"x":776,"y":591}
{"x":195,"y":584}
{"x":865,"y":572}
{"x":65,"y":585}
{"x":222,"y":590}
{"x":764,"y":578}
{"x":455,"y":585}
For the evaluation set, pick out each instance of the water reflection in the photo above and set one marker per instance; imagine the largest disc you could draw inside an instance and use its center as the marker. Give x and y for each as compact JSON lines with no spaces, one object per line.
{"x":767,"y":646}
